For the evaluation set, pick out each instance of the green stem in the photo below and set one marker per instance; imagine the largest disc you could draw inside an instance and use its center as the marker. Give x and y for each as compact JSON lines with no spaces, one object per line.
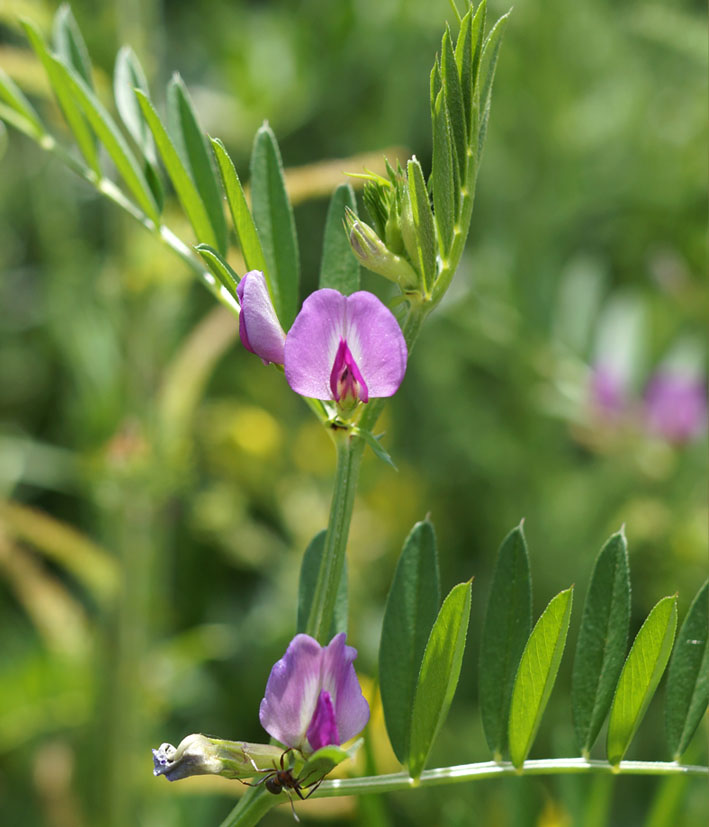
{"x":251,"y":809}
{"x":491,"y":769}
{"x":350,"y":448}
{"x":349,"y":454}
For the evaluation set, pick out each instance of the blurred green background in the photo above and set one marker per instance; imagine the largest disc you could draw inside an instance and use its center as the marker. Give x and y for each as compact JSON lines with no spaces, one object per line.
{"x":159,"y":484}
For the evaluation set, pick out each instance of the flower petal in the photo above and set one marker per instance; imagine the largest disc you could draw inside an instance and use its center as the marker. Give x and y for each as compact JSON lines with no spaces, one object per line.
{"x":340,"y":680}
{"x":376,"y":342}
{"x":259,"y":328}
{"x":312,"y":342}
{"x":323,"y":728}
{"x":292,"y":692}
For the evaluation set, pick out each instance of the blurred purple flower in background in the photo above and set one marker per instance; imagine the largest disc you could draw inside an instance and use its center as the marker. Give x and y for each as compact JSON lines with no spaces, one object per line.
{"x":676,"y":405}
{"x":608,"y":392}
{"x":313,"y":697}
{"x":345,"y":348}
{"x":259,"y":328}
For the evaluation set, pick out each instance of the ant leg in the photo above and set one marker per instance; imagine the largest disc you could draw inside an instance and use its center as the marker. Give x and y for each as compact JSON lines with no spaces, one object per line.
{"x":292,"y":806}
{"x":312,"y":790}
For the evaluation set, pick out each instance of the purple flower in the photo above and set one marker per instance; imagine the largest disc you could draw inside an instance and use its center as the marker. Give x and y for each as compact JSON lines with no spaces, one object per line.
{"x":313,"y":697}
{"x":259,"y":328}
{"x":608,"y":391}
{"x":346,"y":348}
{"x":676,"y":405}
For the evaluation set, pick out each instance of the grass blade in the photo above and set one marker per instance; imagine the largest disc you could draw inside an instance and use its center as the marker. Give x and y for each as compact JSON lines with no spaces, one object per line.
{"x":508,"y":622}
{"x":641,"y":674}
{"x":339,"y":268}
{"x":536,"y":674}
{"x":438,"y":679}
{"x":410,"y":612}
{"x":273,"y":216}
{"x":69,"y":43}
{"x":190,"y":142}
{"x":687,"y":693}
{"x":602,"y":641}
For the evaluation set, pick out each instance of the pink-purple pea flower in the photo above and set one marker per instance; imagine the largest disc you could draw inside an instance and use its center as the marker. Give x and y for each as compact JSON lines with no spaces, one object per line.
{"x":313,"y":698}
{"x":259,"y":328}
{"x":343,"y":348}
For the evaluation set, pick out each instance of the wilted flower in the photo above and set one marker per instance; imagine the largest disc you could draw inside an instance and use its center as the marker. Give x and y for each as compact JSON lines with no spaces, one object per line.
{"x":676,"y":405}
{"x":313,"y":697}
{"x":345,"y":348}
{"x":259,"y":328}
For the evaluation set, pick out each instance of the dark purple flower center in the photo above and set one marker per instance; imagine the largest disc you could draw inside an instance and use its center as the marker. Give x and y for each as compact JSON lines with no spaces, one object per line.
{"x":323,"y":727}
{"x":346,"y":381}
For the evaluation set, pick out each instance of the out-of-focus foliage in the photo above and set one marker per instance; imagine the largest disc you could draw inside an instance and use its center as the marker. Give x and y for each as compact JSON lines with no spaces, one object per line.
{"x":194,"y":479}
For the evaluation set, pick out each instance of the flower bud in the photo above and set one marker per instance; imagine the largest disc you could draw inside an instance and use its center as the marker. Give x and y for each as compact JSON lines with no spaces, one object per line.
{"x":198,"y":755}
{"x":373,"y":254}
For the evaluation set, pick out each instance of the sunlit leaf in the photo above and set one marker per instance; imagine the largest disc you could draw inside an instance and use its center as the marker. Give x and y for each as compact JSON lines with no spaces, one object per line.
{"x":190,"y":143}
{"x":60,"y":80}
{"x":688,"y":676}
{"x":423,"y":221}
{"x":438,"y":679}
{"x":339,"y":268}
{"x":508,"y":622}
{"x":69,"y":43}
{"x":273,"y":216}
{"x":19,"y":107}
{"x":445,"y":195}
{"x":602,"y":641}
{"x":219,"y":267}
{"x":536,"y":674}
{"x":411,"y":609}
{"x":241,"y":215}
{"x":486,"y":74}
{"x":181,"y":179}
{"x":641,"y":674}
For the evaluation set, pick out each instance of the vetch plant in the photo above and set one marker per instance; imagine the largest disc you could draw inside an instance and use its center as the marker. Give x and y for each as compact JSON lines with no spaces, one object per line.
{"x":346,"y":352}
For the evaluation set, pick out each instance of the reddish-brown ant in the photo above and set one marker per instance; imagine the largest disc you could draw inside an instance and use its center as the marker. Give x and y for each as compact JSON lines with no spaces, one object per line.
{"x":278,"y":780}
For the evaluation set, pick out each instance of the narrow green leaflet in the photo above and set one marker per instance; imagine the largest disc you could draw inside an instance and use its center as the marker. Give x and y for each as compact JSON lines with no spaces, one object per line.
{"x":128,"y":75}
{"x":241,"y":215}
{"x":687,"y":693}
{"x":190,"y":142}
{"x":439,"y":675}
{"x":182,"y":181}
{"x":602,"y":641}
{"x":640,"y":676}
{"x":58,"y":75}
{"x":69,"y":43}
{"x":508,"y":622}
{"x":486,"y":74}
{"x":273,"y":216}
{"x":22,"y":114}
{"x":219,"y":267}
{"x":410,"y":612}
{"x":339,"y":268}
{"x":464,"y":64}
{"x":423,"y":221}
{"x":445,"y":196}
{"x":536,"y":674}
{"x":309,"y":570}
{"x":454,"y":102}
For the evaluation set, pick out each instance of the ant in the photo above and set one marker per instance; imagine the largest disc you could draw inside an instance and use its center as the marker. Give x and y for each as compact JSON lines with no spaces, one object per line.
{"x":278,"y":780}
